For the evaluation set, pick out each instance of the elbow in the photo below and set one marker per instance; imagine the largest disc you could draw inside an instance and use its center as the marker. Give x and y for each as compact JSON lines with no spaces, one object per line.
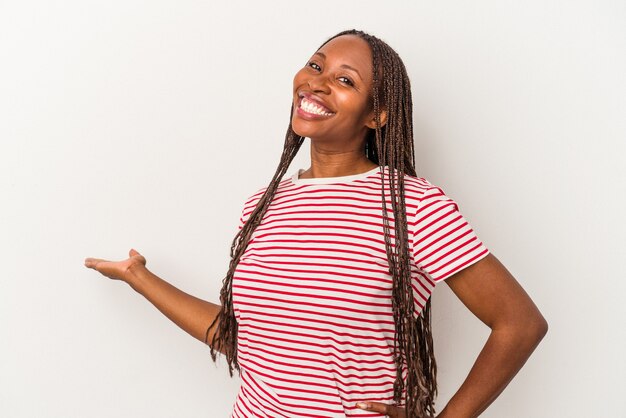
{"x":536,"y":326}
{"x":528,"y":331}
{"x":541,"y":327}
{"x":535,"y":329}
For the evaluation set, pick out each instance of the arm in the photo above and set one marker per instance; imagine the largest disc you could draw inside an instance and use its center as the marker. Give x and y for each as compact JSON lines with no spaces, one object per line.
{"x":191,"y":314}
{"x":491,"y":293}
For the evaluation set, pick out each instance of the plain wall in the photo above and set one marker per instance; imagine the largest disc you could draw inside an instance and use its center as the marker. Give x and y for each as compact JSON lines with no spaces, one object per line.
{"x":147,"y":124}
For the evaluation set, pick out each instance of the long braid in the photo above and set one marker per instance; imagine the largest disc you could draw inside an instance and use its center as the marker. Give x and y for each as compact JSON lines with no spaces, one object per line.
{"x":390,"y":145}
{"x":225,"y":337}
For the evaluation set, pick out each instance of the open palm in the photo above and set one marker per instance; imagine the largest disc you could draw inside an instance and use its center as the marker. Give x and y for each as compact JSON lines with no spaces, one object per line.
{"x":117,"y":270}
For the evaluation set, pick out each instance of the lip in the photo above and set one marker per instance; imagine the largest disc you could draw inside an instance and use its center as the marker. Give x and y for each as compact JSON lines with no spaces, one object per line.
{"x":315,"y":99}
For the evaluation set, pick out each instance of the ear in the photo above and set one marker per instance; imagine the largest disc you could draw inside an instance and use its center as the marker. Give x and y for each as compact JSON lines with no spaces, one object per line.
{"x":371,"y":123}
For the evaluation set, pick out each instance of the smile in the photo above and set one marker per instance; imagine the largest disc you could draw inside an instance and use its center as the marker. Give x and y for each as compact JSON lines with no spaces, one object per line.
{"x":313,"y":108}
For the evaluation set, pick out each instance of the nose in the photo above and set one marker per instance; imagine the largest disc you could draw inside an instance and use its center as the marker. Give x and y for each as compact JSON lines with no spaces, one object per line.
{"x":319,"y":83}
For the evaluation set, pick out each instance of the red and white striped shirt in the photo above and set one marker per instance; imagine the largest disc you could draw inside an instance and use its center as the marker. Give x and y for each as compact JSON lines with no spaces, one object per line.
{"x":312,"y":292}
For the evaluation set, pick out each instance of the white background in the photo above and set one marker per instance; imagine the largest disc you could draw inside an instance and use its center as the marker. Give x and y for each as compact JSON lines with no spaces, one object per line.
{"x":146,"y":124}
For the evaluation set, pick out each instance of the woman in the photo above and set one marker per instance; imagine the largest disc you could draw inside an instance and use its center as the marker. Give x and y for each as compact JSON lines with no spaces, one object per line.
{"x":325,"y":309}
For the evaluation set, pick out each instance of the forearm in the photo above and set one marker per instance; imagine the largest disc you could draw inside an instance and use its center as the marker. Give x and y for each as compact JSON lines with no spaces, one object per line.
{"x":191,"y":314}
{"x":503,"y":355}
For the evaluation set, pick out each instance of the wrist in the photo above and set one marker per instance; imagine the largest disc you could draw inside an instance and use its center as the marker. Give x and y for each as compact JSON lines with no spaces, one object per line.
{"x":134,"y":275}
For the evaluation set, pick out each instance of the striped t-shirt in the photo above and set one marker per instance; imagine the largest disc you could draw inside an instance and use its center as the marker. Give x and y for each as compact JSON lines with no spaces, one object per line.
{"x":312,"y":291}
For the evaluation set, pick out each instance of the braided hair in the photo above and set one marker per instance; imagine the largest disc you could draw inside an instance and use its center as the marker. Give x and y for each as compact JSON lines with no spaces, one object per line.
{"x":390,"y":145}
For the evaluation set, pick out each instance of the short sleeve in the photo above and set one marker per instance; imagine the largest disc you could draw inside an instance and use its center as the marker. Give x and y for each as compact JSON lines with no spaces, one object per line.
{"x":443,"y":242}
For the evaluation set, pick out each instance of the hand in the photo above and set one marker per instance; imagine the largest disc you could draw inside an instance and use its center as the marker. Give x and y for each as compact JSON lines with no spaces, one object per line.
{"x":383,"y":408}
{"x":117,"y":270}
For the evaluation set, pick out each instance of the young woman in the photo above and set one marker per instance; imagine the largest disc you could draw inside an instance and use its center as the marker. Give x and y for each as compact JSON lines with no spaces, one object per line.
{"x":325,"y":309}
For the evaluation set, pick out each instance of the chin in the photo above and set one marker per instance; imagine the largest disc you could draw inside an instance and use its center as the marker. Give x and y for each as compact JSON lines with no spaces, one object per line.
{"x":297,"y":127}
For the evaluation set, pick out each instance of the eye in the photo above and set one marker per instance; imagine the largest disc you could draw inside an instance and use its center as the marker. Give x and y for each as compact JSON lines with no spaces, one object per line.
{"x":314,"y":66}
{"x":346,"y":80}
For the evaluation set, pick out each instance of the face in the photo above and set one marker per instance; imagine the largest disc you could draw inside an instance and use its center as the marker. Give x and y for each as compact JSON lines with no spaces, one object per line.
{"x":332,"y":92}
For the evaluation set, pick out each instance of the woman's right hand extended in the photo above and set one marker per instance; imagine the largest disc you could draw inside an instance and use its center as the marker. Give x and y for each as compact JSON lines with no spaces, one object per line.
{"x":117,"y":270}
{"x":190,"y":313}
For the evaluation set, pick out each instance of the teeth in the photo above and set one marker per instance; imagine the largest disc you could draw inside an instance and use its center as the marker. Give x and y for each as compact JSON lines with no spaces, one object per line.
{"x":311,"y":107}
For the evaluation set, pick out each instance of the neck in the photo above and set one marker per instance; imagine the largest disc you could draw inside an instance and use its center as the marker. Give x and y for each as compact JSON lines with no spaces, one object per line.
{"x":333,"y":163}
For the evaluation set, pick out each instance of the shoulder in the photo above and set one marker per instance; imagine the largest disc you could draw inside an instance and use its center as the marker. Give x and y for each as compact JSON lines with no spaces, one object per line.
{"x":253,"y":199}
{"x":419,"y":191}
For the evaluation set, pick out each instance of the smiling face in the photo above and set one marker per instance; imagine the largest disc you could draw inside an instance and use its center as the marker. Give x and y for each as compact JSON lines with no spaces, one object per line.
{"x":332,"y":92}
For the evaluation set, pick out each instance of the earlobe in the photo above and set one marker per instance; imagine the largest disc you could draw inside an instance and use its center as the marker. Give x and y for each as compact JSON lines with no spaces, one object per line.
{"x":383,"y":120}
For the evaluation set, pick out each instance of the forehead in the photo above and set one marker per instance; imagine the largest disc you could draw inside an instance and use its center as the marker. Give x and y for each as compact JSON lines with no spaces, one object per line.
{"x":349,"y":50}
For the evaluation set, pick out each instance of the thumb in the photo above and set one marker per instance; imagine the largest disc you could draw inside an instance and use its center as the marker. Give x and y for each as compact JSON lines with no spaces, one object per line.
{"x":133,"y":252}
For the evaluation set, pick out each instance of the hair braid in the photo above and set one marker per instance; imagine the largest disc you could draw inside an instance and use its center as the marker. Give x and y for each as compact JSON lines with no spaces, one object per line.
{"x":393,"y":145}
{"x":225,"y":337}
{"x":390,"y":145}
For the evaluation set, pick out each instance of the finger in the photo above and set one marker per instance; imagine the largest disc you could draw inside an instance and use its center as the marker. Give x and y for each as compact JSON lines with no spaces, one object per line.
{"x":376,"y":407}
{"x":135,"y":254}
{"x":92,"y":262}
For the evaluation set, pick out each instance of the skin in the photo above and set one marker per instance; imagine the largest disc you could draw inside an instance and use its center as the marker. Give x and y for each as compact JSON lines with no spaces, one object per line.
{"x":486,"y":288}
{"x":339,"y":73}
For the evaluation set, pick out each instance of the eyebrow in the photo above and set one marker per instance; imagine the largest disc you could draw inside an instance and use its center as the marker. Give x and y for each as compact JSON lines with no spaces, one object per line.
{"x":342,"y":65}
